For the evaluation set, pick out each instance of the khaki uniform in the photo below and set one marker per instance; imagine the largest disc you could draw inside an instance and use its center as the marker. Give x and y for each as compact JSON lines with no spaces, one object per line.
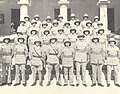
{"x":50,"y":25}
{"x":28,"y":24}
{"x":53,"y":60}
{"x":39,"y":24}
{"x":54,"y":30}
{"x":20,"y":53}
{"x":22,"y":29}
{"x":79,"y":30}
{"x":42,"y":31}
{"x":7,"y":53}
{"x":97,"y":58}
{"x":83,"y":23}
{"x":81,"y":59}
{"x":37,"y":56}
{"x":67,"y":55}
{"x":113,"y":55}
{"x":73,"y":39}
{"x":72,"y":23}
{"x":66,"y":31}
{"x":32,"y":28}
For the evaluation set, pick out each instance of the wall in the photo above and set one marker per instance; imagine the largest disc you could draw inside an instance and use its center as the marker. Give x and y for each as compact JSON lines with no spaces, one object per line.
{"x":43,"y":8}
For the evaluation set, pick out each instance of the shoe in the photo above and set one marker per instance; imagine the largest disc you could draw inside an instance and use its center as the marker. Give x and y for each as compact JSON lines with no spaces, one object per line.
{"x":93,"y":85}
{"x":72,"y":85}
{"x":117,"y":85}
{"x":85,"y":85}
{"x":108,"y":85}
{"x":16,"y":84}
{"x":33,"y":84}
{"x":100,"y":85}
{"x":48,"y":84}
{"x":2,"y":84}
{"x":24,"y":84}
{"x":65,"y":85}
{"x":58,"y":84}
{"x":9,"y":84}
{"x":41,"y":83}
{"x":77,"y":84}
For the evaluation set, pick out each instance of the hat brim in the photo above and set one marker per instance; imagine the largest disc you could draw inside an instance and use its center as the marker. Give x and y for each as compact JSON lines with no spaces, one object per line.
{"x":80,"y":36}
{"x":112,"y":41}
{"x":88,"y":23}
{"x":77,"y":22}
{"x":95,"y":39}
{"x":37,"y":42}
{"x":6,"y":39}
{"x":66,"y":24}
{"x":47,"y":31}
{"x":61,"y":30}
{"x":73,"y":30}
{"x":86,"y":31}
{"x":20,"y":39}
{"x":53,"y":39}
{"x":67,"y":42}
{"x":34,"y":31}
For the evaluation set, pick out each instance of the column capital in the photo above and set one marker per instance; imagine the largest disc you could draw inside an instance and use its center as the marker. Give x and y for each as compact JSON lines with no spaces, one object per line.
{"x":103,"y":2}
{"x":63,"y":2}
{"x":24,"y":2}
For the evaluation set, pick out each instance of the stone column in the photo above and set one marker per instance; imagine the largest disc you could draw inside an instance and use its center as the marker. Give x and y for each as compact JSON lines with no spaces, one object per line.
{"x":103,"y":4}
{"x":23,"y":8}
{"x":63,"y":8}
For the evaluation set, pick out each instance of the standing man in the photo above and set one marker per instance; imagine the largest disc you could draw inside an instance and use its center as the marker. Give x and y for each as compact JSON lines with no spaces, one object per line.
{"x":96,"y":21}
{"x":78,"y":27}
{"x":20,"y":53}
{"x":53,"y":60}
{"x":73,"y":19}
{"x":85,"y":20}
{"x":37,"y":57}
{"x":37,"y":19}
{"x":44,"y":28}
{"x":27,"y":22}
{"x":81,"y":58}
{"x":60,"y":21}
{"x":22,"y":28}
{"x":7,"y":54}
{"x":49,"y":21}
{"x":67,"y":56}
{"x":113,"y":56}
{"x":67,"y":28}
{"x":97,"y":59}
{"x":54,"y":30}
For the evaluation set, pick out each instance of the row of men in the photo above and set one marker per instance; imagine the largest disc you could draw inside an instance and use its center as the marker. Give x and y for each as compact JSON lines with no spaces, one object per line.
{"x":79,"y":54}
{"x":26,"y":26}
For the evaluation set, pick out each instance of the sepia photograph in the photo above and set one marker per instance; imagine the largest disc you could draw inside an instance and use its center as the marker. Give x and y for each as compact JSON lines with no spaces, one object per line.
{"x":60,"y":46}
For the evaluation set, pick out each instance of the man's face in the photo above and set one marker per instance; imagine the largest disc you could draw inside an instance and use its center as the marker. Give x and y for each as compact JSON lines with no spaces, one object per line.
{"x":36,"y":19}
{"x":77,"y":24}
{"x":96,"y":20}
{"x":55,"y":24}
{"x":33,"y":32}
{"x":22,"y":23}
{"x":85,"y":18}
{"x":60,"y":32}
{"x":37,"y":44}
{"x":48,"y":20}
{"x":26,"y":19}
{"x":86,"y":33}
{"x":53,"y":41}
{"x":67,"y":44}
{"x":73,"y":31}
{"x":89,"y":25}
{"x":112,"y":43}
{"x":44,"y":25}
{"x":95,"y":40}
{"x":6,"y":41}
{"x":46,"y":33}
{"x":21,"y":40}
{"x":60,"y":19}
{"x":72,"y":18}
{"x":33,"y":24}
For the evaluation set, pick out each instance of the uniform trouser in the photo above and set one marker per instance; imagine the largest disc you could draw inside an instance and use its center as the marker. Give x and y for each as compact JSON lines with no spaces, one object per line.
{"x":57,"y":70}
{"x":36,"y":69}
{"x":68,"y":73}
{"x":17,"y":74}
{"x":83,"y":65}
{"x":96,"y":73}
{"x":6,"y":70}
{"x":116,"y":73}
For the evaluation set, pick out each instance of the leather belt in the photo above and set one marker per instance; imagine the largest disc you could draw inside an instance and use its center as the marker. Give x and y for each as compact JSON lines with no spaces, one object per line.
{"x":53,"y":53}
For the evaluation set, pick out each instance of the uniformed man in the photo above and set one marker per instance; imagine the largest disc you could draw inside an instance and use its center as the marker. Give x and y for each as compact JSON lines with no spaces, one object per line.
{"x":27,"y":22}
{"x":61,"y":38}
{"x":78,"y":27}
{"x":67,"y":56}
{"x":73,"y":19}
{"x":37,"y":19}
{"x":73,"y":37}
{"x":85,"y":20}
{"x":81,"y":58}
{"x":37,"y":57}
{"x":44,"y":28}
{"x":22,"y":28}
{"x":97,"y":59}
{"x":60,"y":21}
{"x":7,"y":54}
{"x":34,"y":36}
{"x":49,"y":21}
{"x":66,"y":28}
{"x":113,"y":56}
{"x":33,"y":27}
{"x":87,"y":36}
{"x":54,"y":29}
{"x":89,"y":28}
{"x":103,"y":38}
{"x":96,"y":21}
{"x":53,"y":60}
{"x":20,"y":53}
